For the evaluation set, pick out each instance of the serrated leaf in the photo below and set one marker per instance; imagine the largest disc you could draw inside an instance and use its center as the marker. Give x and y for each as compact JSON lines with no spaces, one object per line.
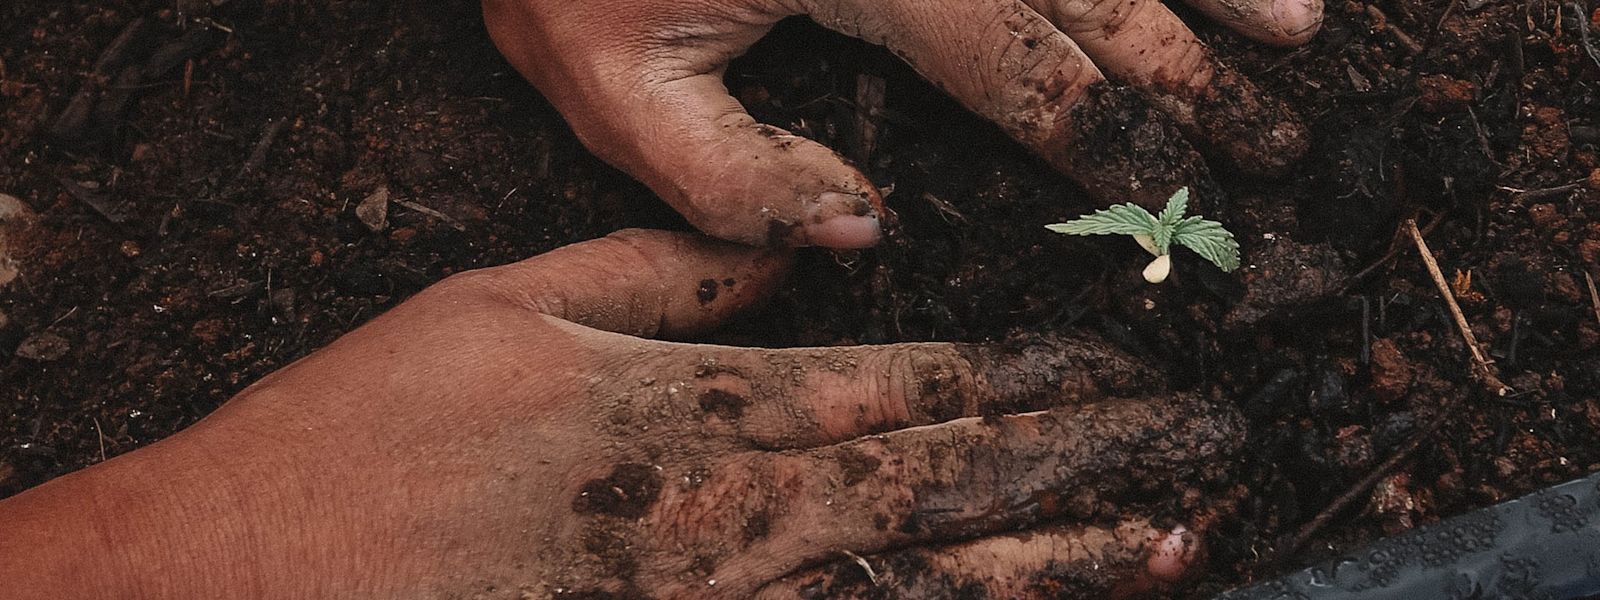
{"x":1176,"y":206}
{"x":1210,"y":240}
{"x":1162,"y":237}
{"x":1122,"y":219}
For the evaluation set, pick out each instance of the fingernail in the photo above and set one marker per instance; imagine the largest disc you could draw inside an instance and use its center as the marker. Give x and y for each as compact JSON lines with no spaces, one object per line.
{"x":1297,"y":18}
{"x":1169,"y":554}
{"x":842,"y":221}
{"x":844,"y":232}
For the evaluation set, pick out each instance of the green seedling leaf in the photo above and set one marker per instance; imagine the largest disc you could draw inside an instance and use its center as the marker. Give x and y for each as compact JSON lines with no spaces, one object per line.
{"x":1169,"y":219}
{"x":1210,"y":240}
{"x":1176,"y":205}
{"x":1157,"y":234}
{"x":1122,"y":219}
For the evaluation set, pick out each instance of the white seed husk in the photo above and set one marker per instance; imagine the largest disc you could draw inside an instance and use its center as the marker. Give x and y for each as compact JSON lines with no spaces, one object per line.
{"x":1158,"y":269}
{"x":1147,"y":242}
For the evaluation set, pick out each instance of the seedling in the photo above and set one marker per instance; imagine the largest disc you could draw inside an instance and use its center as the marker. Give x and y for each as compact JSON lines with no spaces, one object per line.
{"x":1156,"y":234}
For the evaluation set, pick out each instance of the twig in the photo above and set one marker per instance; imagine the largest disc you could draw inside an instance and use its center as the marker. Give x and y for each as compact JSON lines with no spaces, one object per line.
{"x":1483,"y":368}
{"x":865,"y":566}
{"x":1583,"y":33}
{"x":1380,"y":21}
{"x":102,"y":435}
{"x":870,"y":91}
{"x":1594,"y":298}
{"x":457,"y":225}
{"x":1394,"y":250}
{"x":258,"y":154}
{"x":1383,"y":470}
{"x":1541,"y":194}
{"x":1516,"y":337}
{"x":1366,"y":330}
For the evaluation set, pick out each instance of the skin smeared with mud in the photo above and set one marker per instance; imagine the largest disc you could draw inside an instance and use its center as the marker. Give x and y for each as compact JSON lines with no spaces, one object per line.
{"x":1229,"y":117}
{"x":744,"y":448}
{"x":1031,"y":372}
{"x":753,"y":394}
{"x":716,"y":460}
{"x":1078,"y":561}
{"x":721,"y":515}
{"x":1114,"y":138}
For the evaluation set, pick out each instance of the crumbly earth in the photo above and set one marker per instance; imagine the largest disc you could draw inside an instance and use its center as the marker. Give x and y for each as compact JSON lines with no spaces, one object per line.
{"x":193,"y":195}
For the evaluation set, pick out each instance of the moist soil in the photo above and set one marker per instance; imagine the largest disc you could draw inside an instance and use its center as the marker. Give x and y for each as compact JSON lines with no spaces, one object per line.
{"x":193,"y":185}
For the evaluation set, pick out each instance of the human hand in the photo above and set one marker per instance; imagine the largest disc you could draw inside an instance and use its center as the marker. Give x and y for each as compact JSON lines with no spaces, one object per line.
{"x":506,"y":434}
{"x":641,"y":84}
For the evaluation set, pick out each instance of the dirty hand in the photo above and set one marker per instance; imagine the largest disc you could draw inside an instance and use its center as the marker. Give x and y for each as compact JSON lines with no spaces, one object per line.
{"x":641,"y":84}
{"x":504,"y":434}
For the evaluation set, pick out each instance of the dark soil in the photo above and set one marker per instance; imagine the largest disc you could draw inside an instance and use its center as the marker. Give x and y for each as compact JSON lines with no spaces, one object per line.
{"x":195,"y":195}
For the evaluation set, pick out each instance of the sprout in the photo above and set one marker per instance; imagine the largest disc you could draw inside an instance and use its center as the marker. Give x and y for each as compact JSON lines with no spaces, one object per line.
{"x":1156,"y":234}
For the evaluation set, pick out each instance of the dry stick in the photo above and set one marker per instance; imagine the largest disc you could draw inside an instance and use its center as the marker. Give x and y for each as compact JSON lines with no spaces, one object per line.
{"x":1394,"y":250}
{"x":1541,"y":194}
{"x":449,"y":220}
{"x":1583,"y":33}
{"x":1381,"y":22}
{"x":1482,"y":367}
{"x":1594,"y":297}
{"x":1338,"y":505}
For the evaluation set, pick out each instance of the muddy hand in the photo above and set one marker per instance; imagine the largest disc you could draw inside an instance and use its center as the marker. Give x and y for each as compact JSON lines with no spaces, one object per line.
{"x":641,"y":84}
{"x":505,"y":434}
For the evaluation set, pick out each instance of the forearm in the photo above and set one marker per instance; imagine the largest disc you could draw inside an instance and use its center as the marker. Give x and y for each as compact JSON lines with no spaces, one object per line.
{"x":98,"y":533}
{"x":51,"y":544}
{"x":177,"y":519}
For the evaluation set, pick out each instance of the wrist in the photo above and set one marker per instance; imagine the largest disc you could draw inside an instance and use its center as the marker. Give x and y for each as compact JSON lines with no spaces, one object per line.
{"x":186,"y":517}
{"x":91,"y":534}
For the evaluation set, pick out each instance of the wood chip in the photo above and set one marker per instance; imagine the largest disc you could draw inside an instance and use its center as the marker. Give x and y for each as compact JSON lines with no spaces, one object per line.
{"x":43,"y":347}
{"x":374,"y":210}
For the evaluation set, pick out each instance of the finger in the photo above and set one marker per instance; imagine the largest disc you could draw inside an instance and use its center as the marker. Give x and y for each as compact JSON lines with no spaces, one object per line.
{"x":657,"y":108}
{"x":1143,"y":43}
{"x":641,"y":282}
{"x":949,"y":482}
{"x":805,"y":398}
{"x":1005,"y":61}
{"x":1276,"y":22}
{"x":1079,"y":561}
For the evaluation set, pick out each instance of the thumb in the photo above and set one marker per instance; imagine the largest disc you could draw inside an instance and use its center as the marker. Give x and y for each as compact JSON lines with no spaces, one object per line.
{"x":655,"y":107}
{"x":641,"y":282}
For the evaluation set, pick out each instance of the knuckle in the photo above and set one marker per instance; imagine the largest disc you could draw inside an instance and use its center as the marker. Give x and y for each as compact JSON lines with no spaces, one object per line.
{"x":1104,"y":18}
{"x":932,"y":381}
{"x":1050,"y":89}
{"x":638,"y":247}
{"x":1192,"y":66}
{"x":852,"y":19}
{"x":476,"y":284}
{"x":1041,"y":76}
{"x":726,"y":507}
